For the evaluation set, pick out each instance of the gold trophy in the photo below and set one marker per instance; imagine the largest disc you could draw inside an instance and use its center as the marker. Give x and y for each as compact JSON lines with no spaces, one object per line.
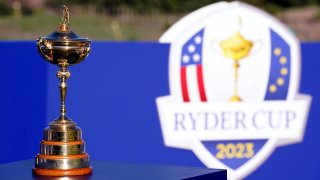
{"x":236,"y":48}
{"x":62,"y":150}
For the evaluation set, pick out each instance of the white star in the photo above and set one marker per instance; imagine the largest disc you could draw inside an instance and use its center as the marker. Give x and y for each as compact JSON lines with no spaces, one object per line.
{"x":191,"y":48}
{"x":196,"y":58}
{"x":185,"y":58}
{"x":198,"y":39}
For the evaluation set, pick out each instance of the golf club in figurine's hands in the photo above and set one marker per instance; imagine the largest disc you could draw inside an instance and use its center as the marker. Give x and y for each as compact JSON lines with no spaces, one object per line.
{"x":62,"y":150}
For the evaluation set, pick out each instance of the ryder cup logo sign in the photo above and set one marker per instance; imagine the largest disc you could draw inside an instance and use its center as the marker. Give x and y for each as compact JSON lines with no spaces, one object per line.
{"x":234,"y":75}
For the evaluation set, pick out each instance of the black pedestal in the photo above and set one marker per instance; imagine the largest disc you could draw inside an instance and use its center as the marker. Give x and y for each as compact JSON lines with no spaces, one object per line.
{"x":119,"y":171}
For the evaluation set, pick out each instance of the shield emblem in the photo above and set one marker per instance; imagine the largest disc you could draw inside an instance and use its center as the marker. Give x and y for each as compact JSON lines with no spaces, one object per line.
{"x":234,"y":75}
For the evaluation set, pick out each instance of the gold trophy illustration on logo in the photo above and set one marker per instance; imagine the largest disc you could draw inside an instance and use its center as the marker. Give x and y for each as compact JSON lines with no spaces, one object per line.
{"x":62,"y":150}
{"x":236,"y":47}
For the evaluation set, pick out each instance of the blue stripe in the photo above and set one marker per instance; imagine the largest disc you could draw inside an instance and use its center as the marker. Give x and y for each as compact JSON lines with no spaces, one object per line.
{"x":279,"y":77}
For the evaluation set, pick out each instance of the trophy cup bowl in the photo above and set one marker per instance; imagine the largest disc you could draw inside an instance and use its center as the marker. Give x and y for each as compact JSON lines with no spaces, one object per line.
{"x":62,"y":150}
{"x":236,"y":47}
{"x":61,"y":46}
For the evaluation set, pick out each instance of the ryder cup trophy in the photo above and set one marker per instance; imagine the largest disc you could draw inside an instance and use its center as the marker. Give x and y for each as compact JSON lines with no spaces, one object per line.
{"x":236,"y":48}
{"x":62,"y":150}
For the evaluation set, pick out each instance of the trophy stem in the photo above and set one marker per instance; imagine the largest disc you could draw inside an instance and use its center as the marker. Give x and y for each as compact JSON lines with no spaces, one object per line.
{"x":63,"y":74}
{"x":235,"y":97}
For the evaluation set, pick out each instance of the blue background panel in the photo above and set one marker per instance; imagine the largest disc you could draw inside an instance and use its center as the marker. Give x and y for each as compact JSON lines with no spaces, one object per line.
{"x":112,"y":98}
{"x":22,"y":100}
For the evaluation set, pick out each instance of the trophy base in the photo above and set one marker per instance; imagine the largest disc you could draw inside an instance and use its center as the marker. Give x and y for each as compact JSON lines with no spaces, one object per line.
{"x":235,"y":98}
{"x":62,"y":151}
{"x":60,"y":172}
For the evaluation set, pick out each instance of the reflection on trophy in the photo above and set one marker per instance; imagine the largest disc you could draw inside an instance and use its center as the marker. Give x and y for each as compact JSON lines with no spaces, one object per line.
{"x":62,"y":150}
{"x":236,"y":48}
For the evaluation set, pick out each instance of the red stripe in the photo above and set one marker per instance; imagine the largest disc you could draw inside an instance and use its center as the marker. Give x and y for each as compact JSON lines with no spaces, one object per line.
{"x":202,"y":92}
{"x":184,"y":87}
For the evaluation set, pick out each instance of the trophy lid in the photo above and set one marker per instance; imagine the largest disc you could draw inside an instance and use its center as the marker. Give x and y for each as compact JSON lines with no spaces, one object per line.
{"x":64,"y":32}
{"x":64,"y":36}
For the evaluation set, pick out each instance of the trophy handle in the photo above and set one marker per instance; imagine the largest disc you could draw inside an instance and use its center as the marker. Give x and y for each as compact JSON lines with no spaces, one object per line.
{"x":257,"y":46}
{"x":84,"y":51}
{"x":41,"y":44}
{"x":215,"y":44}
